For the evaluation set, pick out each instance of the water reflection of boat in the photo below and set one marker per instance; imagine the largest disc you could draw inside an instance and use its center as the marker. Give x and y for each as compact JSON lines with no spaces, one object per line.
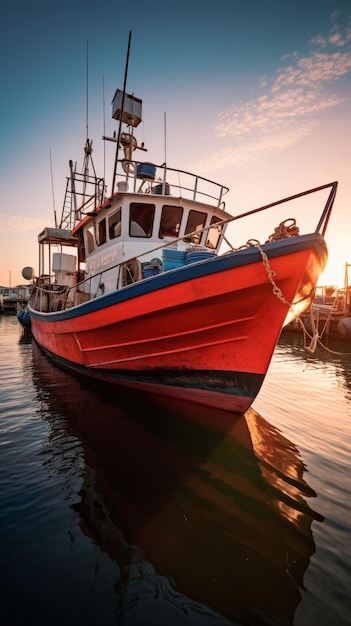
{"x":208,"y":527}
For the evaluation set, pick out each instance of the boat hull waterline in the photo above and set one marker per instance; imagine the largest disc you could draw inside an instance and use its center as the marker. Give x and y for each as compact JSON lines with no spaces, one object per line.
{"x":204,"y":332}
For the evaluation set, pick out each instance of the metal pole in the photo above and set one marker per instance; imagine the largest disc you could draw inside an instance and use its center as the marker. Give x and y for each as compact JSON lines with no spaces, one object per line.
{"x":120,"y":119}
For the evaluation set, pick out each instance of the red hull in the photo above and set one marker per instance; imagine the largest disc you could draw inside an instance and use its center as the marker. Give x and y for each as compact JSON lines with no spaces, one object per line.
{"x":209,"y":339}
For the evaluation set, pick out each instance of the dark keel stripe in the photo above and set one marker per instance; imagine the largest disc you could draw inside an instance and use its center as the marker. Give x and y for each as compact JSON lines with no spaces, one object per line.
{"x":232,"y":383}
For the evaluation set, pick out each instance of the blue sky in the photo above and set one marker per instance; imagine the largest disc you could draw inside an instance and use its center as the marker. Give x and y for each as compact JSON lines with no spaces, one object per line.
{"x":256,"y":94}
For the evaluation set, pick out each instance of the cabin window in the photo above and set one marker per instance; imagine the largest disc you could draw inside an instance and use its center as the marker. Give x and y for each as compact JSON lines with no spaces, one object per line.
{"x":101,"y":232}
{"x":196,"y":221}
{"x":114,"y":224}
{"x":214,"y":233}
{"x":90,"y":240}
{"x":141,"y":219}
{"x":171,"y":218}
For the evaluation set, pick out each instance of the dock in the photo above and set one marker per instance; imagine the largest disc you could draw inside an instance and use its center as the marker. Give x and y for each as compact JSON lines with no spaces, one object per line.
{"x":12,"y":305}
{"x":329,"y":315}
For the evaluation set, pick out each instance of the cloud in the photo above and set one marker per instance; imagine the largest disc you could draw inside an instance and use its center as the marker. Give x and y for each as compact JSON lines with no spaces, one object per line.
{"x":288,"y":105}
{"x":297,"y":92}
{"x":18,"y":224}
{"x":314,"y":72}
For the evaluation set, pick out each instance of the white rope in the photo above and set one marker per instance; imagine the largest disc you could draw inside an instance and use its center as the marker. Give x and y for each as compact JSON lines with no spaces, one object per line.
{"x":316,"y":337}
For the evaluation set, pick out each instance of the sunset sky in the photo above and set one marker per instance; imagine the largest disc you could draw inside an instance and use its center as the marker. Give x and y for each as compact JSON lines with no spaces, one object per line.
{"x":256,"y":95}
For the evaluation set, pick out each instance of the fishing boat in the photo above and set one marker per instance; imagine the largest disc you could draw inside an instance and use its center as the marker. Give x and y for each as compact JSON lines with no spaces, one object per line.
{"x":140,"y":285}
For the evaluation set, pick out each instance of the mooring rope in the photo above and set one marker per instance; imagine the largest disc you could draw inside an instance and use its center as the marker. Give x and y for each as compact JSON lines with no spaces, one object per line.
{"x":270,"y":273}
{"x":315,"y":337}
{"x":283,"y":231}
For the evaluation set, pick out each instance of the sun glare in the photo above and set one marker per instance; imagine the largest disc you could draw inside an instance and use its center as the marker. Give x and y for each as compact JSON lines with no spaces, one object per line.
{"x":334,"y":273}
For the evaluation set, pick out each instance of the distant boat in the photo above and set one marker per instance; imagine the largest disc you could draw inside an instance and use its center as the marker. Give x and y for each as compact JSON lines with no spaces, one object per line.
{"x":138,"y":291}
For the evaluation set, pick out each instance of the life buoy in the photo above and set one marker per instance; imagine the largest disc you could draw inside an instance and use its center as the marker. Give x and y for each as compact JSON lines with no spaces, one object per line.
{"x":131,"y":272}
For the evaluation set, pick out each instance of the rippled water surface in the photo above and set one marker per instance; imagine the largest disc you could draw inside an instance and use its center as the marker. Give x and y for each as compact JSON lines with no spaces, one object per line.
{"x":123,"y":509}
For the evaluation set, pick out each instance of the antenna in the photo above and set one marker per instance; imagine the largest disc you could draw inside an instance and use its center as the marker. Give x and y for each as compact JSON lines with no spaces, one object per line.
{"x":103,"y":120}
{"x":165,"y":147}
{"x":87,"y":91}
{"x":121,"y":116}
{"x":52,"y":189}
{"x":165,"y":134}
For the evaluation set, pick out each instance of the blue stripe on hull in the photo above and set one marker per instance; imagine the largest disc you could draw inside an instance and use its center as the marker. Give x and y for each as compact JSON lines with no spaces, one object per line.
{"x":213,"y":266}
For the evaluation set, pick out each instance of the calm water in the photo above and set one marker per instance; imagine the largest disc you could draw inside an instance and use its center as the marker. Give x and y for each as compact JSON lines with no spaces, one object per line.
{"x":120,"y":509}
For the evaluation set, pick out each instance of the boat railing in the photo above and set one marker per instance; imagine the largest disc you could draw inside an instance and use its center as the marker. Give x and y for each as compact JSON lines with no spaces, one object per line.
{"x":321,"y":226}
{"x":84,"y":192}
{"x":161,"y":179}
{"x":61,"y":296}
{"x":49,"y":296}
